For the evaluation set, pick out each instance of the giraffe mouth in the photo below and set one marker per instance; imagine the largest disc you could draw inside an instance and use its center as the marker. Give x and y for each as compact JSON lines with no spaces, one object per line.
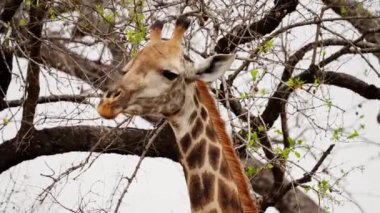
{"x":108,"y":110}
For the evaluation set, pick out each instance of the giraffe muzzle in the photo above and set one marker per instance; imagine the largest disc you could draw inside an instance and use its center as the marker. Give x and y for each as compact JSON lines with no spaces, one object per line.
{"x":109,"y":106}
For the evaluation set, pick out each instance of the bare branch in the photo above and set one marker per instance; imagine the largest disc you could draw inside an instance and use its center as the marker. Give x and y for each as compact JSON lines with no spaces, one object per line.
{"x":50,"y":99}
{"x":355,"y":8}
{"x":37,"y":13}
{"x":10,"y":8}
{"x":307,"y":176}
{"x":152,"y":138}
{"x":242,"y":34}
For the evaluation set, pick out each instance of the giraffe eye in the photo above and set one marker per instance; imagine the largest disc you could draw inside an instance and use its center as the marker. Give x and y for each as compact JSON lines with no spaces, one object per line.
{"x":169,"y":75}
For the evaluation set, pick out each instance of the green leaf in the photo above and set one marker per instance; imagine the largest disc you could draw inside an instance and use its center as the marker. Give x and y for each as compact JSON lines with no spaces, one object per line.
{"x":263,"y":91}
{"x":353,"y":135}
{"x":243,"y":95}
{"x":337,"y":133}
{"x":343,"y":10}
{"x":266,"y":46}
{"x":285,"y":153}
{"x":329,"y":103}
{"x":98,"y":7}
{"x":5,"y":121}
{"x":269,"y":44}
{"x":253,"y":139}
{"x":317,"y":80}
{"x":291,"y":141}
{"x":21,"y":22}
{"x":277,"y":150}
{"x":109,"y":18}
{"x":306,"y":188}
{"x":254,"y":74}
{"x":299,"y":141}
{"x":297,"y":154}
{"x":250,"y":171}
{"x":52,"y":14}
{"x":323,"y":53}
{"x":323,"y":187}
{"x":295,"y":83}
{"x":277,"y":131}
{"x":269,"y":166}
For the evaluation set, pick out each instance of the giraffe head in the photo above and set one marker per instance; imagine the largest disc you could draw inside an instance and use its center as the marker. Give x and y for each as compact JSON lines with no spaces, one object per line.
{"x":155,"y":81}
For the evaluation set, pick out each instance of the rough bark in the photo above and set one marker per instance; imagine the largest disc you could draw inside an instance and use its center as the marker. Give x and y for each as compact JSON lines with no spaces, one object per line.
{"x":84,"y":139}
{"x":5,"y":73}
{"x":32,"y":90}
{"x":9,"y":9}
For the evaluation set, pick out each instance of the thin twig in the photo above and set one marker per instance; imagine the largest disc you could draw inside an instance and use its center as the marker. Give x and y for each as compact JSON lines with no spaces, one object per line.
{"x":307,"y":176}
{"x":146,"y":148}
{"x":51,"y":99}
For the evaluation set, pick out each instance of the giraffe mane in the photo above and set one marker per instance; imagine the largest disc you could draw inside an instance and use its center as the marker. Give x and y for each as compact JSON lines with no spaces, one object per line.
{"x":248,"y":204}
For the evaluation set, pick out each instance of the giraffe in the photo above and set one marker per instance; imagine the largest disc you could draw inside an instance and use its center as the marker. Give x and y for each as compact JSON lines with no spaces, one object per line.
{"x":160,"y":81}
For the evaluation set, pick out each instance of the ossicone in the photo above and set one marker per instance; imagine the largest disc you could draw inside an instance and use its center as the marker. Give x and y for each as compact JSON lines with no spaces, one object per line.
{"x":155,"y":30}
{"x":182,"y":23}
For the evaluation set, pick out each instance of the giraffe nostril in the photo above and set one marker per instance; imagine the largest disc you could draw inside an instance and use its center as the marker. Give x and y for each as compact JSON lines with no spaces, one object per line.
{"x":107,"y":94}
{"x":118,"y":93}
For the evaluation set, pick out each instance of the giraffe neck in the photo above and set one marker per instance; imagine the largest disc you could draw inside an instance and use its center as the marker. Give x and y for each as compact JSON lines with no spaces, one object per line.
{"x":209,"y":179}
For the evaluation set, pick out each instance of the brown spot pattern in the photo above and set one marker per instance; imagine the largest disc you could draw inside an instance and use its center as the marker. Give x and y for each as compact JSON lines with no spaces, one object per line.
{"x":203,"y":113}
{"x":196,"y":102}
{"x":193,"y":116}
{"x":208,"y":181}
{"x":224,"y":170}
{"x":197,"y":155}
{"x":227,"y":198}
{"x":214,"y":156}
{"x":185,"y":142}
{"x":213,"y":211}
{"x":201,"y":190}
{"x":210,"y":133}
{"x":197,"y":129}
{"x":195,"y":192}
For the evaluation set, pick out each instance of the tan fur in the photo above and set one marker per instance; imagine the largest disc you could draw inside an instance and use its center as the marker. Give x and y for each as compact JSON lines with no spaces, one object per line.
{"x":178,"y":34}
{"x":155,"y":34}
{"x":248,"y":204}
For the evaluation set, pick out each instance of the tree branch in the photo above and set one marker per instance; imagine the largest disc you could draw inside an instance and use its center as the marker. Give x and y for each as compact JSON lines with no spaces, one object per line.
{"x":349,"y":8}
{"x":50,"y":99}
{"x":56,"y":55}
{"x":272,"y":112}
{"x":10,"y":8}
{"x":84,"y":138}
{"x":5,"y":73}
{"x":307,"y":176}
{"x":241,"y":34}
{"x":32,"y":90}
{"x":343,"y":80}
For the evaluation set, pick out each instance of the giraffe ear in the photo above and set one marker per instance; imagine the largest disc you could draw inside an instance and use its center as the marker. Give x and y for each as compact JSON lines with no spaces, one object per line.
{"x":214,"y":67}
